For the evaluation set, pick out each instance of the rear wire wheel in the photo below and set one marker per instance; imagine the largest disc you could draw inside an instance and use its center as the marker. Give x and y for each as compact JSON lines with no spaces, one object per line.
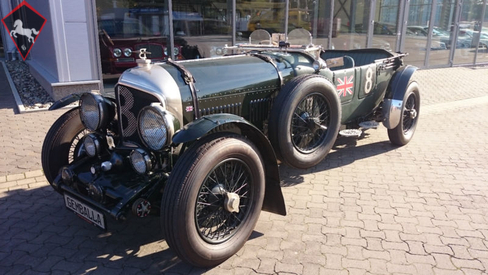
{"x":213,"y":199}
{"x":403,"y":132}
{"x":305,"y":121}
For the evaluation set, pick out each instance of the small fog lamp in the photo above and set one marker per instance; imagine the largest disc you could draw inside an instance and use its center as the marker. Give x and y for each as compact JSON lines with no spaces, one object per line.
{"x":141,"y":161}
{"x":92,"y":145}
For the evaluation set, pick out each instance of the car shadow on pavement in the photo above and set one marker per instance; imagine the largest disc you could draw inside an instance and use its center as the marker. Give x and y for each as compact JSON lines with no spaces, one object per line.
{"x":40,"y":234}
{"x":345,"y":151}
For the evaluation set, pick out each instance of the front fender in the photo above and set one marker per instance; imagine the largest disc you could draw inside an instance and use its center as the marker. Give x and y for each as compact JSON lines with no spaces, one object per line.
{"x":393,"y":102}
{"x":273,"y":198}
{"x":65,"y":101}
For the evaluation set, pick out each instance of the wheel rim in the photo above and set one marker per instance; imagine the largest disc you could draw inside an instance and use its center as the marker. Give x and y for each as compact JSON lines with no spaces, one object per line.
{"x":410,"y":114}
{"x":310,"y":122}
{"x":226,"y":189}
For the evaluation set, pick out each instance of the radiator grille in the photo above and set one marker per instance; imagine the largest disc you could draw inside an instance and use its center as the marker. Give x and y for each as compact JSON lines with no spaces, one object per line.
{"x":130,"y":102}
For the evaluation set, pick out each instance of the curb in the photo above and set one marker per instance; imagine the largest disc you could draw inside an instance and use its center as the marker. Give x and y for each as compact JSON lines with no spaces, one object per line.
{"x":18,"y":101}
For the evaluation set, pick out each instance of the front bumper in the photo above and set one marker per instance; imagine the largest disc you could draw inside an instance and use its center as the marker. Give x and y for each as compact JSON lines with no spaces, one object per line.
{"x":113,"y":192}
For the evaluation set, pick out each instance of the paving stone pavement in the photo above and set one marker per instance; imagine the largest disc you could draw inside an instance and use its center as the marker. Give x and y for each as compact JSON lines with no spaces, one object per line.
{"x":368,"y":208}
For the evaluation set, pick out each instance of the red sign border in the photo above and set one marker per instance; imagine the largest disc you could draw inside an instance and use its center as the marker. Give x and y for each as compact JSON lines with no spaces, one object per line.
{"x":24,"y":3}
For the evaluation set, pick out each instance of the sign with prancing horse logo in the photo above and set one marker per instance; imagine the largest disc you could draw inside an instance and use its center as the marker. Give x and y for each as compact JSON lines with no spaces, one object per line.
{"x":24,"y":24}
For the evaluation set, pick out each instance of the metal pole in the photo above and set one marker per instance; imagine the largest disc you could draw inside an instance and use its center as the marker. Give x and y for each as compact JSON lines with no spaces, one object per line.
{"x":372,"y":12}
{"x":480,"y":30}
{"x":331,"y":25}
{"x":429,"y":33}
{"x":234,"y":30}
{"x":404,"y":23}
{"x":287,"y":13}
{"x":459,"y":7}
{"x":171,"y":32}
{"x":315,"y":18}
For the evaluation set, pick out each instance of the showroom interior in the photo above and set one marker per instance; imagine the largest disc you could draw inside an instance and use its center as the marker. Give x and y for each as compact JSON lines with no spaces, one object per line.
{"x":85,"y":45}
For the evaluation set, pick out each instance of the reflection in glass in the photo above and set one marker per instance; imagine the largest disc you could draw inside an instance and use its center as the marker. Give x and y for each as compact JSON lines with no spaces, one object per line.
{"x":251,"y":16}
{"x":468,"y":35}
{"x":200,"y":27}
{"x":417,"y":33}
{"x":385,"y":25}
{"x":482,"y":56}
{"x":352,"y":17}
{"x":319,"y":14}
{"x":125,"y":27}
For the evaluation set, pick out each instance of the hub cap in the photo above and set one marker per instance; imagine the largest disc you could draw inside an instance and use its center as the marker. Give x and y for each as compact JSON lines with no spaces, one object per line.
{"x":410,"y":114}
{"x":224,"y":201}
{"x":310,"y":122}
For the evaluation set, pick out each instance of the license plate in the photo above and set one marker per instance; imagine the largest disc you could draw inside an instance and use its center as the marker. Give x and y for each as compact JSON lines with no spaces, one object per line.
{"x":84,"y":211}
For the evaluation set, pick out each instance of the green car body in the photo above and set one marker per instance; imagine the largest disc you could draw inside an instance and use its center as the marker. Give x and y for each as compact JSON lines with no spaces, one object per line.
{"x":141,"y":151}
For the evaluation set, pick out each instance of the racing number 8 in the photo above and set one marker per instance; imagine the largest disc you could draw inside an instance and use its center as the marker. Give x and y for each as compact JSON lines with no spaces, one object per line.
{"x":368,"y":85}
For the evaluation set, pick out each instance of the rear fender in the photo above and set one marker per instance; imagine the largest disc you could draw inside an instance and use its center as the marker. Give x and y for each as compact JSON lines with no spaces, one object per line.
{"x":273,"y":198}
{"x":393,"y":102}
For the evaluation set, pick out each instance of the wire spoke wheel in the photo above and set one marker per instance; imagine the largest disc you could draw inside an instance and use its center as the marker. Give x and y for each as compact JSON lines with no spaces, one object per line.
{"x":310,"y":122}
{"x":403,"y":132}
{"x":304,"y":121}
{"x":223,"y":201}
{"x":409,"y":114}
{"x":213,"y":198}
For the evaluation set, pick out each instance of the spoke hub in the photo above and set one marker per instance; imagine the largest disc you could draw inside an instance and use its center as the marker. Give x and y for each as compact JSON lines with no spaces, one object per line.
{"x":412,"y":113}
{"x":232,"y":202}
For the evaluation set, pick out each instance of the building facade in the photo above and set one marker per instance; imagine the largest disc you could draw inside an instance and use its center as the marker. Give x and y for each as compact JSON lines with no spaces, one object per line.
{"x":86,"y":44}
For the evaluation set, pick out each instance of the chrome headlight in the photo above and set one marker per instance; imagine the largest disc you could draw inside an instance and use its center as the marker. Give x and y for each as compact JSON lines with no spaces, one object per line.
{"x":127,"y":52}
{"x":92,"y":145}
{"x":95,"y":111}
{"x":176,"y":51}
{"x":117,"y":52}
{"x":156,"y":126}
{"x":141,"y":161}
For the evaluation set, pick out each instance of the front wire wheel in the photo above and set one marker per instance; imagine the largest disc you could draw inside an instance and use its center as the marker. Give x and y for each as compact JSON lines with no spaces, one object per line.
{"x":403,"y":133}
{"x":63,"y":143}
{"x":213,"y":199}
{"x":223,"y":201}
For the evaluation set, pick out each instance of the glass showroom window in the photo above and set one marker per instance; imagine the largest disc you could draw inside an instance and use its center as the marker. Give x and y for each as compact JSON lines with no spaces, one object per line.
{"x":125,"y":27}
{"x":352,"y":16}
{"x":469,"y":32}
{"x":200,"y":27}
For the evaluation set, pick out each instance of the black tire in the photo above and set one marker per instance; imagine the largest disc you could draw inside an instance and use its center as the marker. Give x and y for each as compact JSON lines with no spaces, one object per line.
{"x":403,"y":133}
{"x":62,"y":143}
{"x":304,"y":121}
{"x":195,"y":219}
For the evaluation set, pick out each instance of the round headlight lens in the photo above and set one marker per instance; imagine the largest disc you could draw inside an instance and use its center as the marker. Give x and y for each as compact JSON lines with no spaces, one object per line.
{"x":117,"y":52}
{"x":95,"y":111}
{"x":152,"y":127}
{"x":127,"y":52}
{"x":90,"y":112}
{"x":165,"y":51}
{"x":141,"y":161}
{"x":176,"y":51}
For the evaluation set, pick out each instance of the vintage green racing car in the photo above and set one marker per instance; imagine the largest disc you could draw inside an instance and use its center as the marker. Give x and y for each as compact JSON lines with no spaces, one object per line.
{"x":198,"y":142}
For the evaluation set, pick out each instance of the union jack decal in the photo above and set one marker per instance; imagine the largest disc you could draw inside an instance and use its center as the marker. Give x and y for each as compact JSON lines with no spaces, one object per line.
{"x":345,"y":86}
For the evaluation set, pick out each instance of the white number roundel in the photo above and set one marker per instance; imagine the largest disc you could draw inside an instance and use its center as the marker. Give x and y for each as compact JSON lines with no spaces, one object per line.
{"x":368,"y":85}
